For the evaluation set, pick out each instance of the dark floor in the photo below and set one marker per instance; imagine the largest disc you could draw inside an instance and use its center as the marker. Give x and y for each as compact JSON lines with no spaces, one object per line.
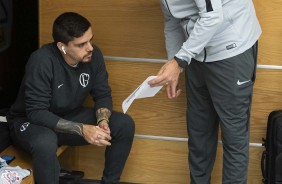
{"x":90,"y":181}
{"x":76,"y":177}
{"x":86,"y":181}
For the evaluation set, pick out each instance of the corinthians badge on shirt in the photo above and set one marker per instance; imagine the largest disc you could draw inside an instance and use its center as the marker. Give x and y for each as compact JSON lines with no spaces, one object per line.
{"x":84,"y":79}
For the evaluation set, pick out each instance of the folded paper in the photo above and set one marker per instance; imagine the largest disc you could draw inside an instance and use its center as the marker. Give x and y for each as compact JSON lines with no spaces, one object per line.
{"x":143,"y":91}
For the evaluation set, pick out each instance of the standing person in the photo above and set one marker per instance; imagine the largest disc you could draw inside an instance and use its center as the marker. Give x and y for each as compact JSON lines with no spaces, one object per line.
{"x":49,"y":111}
{"x":216,"y":42}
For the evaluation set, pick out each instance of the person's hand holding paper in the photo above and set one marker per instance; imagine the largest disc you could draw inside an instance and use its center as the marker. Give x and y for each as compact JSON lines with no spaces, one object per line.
{"x":143,"y":91}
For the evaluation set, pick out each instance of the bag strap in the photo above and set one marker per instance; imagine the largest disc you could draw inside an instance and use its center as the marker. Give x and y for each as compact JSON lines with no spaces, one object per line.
{"x":262,"y":164}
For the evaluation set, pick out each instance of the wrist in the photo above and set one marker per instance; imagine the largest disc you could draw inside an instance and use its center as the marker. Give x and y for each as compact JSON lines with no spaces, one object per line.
{"x":81,"y":125}
{"x":102,"y":120}
{"x":181,"y":63}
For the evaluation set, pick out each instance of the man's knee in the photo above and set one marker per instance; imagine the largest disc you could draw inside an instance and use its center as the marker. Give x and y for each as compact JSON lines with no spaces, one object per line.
{"x":128,"y":121}
{"x":129,"y":125}
{"x":125,"y":124}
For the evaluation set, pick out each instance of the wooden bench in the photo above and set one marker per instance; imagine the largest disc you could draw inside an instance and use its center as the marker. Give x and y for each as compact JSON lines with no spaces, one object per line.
{"x":23,"y":159}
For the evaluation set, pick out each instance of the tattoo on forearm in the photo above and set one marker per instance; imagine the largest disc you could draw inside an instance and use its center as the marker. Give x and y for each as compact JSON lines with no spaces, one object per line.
{"x":65,"y":126}
{"x":103,"y":113}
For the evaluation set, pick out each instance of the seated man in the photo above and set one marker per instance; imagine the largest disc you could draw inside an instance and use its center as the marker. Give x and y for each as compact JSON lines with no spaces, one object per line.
{"x":49,"y":108}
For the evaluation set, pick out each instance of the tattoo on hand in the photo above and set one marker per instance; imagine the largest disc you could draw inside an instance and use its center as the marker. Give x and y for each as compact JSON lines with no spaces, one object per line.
{"x":65,"y":126}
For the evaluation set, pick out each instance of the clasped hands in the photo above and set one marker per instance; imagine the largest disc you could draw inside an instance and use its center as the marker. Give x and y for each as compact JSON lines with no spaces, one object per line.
{"x":97,"y":135}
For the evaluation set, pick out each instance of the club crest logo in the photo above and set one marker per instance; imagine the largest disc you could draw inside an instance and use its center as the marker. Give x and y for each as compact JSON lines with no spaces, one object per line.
{"x":24,"y":126}
{"x":84,"y":79}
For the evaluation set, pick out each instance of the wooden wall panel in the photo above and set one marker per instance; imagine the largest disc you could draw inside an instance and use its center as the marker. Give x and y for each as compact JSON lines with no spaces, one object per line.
{"x":155,"y":162}
{"x":163,"y":117}
{"x":121,"y":28}
{"x":134,"y":29}
{"x":270,"y":43}
{"x":154,"y":116}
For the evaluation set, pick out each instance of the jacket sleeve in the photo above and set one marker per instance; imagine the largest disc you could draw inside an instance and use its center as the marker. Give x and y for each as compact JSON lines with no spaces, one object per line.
{"x":101,"y":91}
{"x":38,"y":92}
{"x":210,"y":19}
{"x":174,"y":36}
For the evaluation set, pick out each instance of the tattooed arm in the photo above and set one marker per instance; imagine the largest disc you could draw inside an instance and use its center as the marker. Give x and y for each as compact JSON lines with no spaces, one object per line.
{"x":65,"y":126}
{"x":92,"y":134}
{"x":103,"y":115}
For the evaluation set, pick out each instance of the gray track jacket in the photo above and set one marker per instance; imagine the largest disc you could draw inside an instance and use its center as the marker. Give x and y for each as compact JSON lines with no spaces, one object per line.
{"x":209,"y":30}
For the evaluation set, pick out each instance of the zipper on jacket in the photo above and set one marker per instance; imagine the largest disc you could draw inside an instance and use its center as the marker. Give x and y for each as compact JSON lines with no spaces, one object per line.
{"x":187,"y":30}
{"x":168,"y":8}
{"x":205,"y":56}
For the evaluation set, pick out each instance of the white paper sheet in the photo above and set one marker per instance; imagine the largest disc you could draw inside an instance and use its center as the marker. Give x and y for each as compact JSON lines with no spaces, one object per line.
{"x":143,"y":91}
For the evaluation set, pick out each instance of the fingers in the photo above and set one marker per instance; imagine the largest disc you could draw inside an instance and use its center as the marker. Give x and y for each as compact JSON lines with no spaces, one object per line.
{"x":97,"y":136}
{"x":168,"y":91}
{"x":178,"y":93}
{"x":158,"y":81}
{"x":101,"y":140}
{"x":103,"y":136}
{"x":105,"y":127}
{"x":172,"y":91}
{"x":169,"y":73}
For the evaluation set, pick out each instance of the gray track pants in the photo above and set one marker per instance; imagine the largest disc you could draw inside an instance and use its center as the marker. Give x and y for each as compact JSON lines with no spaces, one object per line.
{"x":220,"y":93}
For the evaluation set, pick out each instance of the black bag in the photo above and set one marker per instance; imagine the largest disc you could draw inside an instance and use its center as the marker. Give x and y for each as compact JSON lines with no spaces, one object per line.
{"x":271,"y":160}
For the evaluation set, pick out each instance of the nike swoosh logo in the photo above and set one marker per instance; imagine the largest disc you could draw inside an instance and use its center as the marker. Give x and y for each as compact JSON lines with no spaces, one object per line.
{"x":60,"y":85}
{"x":243,"y":82}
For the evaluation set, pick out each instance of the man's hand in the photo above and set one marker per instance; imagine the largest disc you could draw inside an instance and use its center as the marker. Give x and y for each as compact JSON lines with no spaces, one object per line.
{"x":168,"y":76}
{"x":105,"y":126}
{"x":96,"y":135}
